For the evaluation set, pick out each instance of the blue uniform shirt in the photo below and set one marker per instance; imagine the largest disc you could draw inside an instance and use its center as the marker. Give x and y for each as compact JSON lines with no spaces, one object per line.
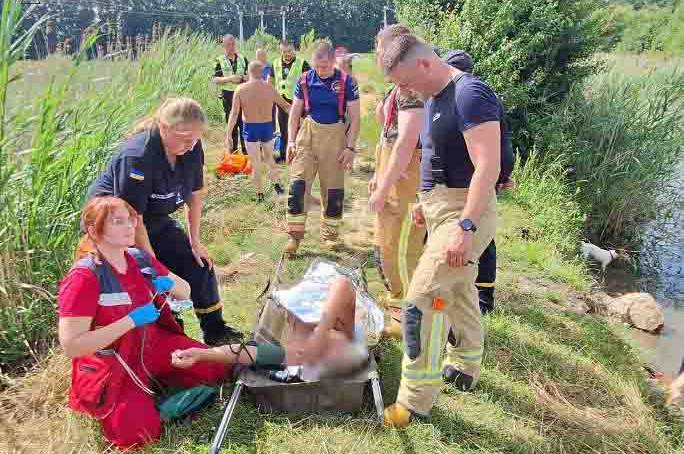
{"x":141,"y":175}
{"x":323,"y":96}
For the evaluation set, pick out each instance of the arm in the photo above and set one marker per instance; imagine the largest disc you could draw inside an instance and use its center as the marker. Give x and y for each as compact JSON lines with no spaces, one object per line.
{"x":181,"y":289}
{"x":296,"y":111}
{"x":280,"y":101}
{"x":409,"y":124}
{"x":234,"y":112}
{"x":77,"y":339}
{"x":193,"y":214}
{"x":354,"y":110}
{"x":484,"y":148}
{"x":380,"y":113}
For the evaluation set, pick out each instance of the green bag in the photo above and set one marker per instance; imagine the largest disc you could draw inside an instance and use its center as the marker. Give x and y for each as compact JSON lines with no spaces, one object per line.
{"x":186,"y":402}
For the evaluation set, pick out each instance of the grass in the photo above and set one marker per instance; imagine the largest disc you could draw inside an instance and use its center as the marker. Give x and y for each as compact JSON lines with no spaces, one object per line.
{"x":553,"y":381}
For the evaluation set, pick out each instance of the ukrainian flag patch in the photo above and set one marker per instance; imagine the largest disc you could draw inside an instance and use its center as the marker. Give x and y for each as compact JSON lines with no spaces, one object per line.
{"x":136,"y":175}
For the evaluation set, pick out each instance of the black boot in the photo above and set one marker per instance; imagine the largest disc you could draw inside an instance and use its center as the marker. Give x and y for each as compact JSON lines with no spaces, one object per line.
{"x":278,"y":189}
{"x":460,"y":380}
{"x":215,"y":330}
{"x":260,"y":197}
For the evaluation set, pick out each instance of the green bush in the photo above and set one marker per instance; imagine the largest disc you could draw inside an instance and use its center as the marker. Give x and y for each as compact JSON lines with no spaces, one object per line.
{"x":529,"y":51}
{"x":623,"y":137}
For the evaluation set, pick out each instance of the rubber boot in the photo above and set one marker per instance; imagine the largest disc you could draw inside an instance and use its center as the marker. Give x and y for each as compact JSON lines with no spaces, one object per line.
{"x":292,"y":246}
{"x":397,"y":416}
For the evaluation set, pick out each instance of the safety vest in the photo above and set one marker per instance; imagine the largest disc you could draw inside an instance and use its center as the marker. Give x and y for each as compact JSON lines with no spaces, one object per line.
{"x":97,"y":379}
{"x":341,"y":94}
{"x":286,"y":86}
{"x":227,"y":69}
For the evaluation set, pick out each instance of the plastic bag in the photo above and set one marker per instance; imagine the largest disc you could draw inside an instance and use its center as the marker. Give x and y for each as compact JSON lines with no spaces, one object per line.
{"x":305,"y":299}
{"x":232,"y":164}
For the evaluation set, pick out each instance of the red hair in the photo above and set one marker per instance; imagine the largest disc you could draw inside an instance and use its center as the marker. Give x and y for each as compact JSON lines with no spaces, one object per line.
{"x":95,"y":214}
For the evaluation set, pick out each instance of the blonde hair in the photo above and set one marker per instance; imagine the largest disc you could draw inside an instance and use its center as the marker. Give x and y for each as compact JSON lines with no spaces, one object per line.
{"x":172,"y":112}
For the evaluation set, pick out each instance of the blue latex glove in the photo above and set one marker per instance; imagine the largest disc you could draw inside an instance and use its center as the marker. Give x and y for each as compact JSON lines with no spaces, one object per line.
{"x":163,"y":284}
{"x":144,"y":315}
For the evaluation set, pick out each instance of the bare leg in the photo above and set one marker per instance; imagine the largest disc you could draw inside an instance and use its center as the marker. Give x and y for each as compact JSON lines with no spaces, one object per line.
{"x":254,"y":152}
{"x":269,"y":161}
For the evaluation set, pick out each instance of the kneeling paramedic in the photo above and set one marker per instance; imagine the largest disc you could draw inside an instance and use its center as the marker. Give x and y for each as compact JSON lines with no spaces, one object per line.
{"x":117,"y":328}
{"x":322,"y":97}
{"x":158,"y":170}
{"x":464,"y":122}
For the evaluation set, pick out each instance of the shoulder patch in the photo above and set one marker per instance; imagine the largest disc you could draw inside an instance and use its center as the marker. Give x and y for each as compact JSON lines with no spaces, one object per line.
{"x":136,"y":175}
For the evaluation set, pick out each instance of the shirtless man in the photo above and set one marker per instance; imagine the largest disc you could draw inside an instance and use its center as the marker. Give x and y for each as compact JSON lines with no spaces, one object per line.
{"x":255,"y":99}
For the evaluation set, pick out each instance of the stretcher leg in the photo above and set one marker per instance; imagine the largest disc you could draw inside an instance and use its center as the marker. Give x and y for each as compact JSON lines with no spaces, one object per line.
{"x":227,"y":415}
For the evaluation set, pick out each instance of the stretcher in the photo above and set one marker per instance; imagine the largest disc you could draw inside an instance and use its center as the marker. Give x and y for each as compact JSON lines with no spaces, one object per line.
{"x":303,"y":298}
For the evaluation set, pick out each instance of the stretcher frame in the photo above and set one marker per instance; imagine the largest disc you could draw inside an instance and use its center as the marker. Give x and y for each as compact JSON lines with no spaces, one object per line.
{"x":240,"y":384}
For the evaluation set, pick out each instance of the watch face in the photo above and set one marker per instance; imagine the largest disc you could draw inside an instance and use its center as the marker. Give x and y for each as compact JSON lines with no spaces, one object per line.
{"x":467,"y":225}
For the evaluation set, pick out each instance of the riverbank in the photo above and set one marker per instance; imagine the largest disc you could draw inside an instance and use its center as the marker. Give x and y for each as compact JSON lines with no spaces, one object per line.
{"x":553,"y":380}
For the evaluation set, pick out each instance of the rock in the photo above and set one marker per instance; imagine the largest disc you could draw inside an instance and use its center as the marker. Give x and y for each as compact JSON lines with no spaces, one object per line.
{"x":618,"y":308}
{"x":644,"y":312}
{"x":598,"y":302}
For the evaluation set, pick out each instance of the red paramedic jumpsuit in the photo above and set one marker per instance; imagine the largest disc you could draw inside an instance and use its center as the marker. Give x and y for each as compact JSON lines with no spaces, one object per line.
{"x":100,"y":387}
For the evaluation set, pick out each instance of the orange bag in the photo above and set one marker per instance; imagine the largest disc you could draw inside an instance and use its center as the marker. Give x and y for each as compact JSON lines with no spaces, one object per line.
{"x":233,"y":163}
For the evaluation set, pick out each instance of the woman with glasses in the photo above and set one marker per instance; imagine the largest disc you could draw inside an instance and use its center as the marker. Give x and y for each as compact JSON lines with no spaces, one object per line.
{"x":158,"y":170}
{"x":116,"y":326}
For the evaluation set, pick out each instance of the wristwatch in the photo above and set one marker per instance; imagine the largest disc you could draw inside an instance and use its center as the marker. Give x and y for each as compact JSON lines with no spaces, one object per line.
{"x":467,"y":225}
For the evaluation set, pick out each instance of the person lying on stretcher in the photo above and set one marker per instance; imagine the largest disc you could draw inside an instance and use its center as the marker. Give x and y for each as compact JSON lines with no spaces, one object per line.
{"x":329,"y":350}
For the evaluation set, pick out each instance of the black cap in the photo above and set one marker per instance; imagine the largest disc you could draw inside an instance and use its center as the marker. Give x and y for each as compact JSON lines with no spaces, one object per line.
{"x":460,"y":59}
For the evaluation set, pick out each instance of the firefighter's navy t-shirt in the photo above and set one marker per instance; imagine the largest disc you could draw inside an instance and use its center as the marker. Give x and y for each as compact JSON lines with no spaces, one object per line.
{"x":463,"y":104}
{"x":323,"y":95}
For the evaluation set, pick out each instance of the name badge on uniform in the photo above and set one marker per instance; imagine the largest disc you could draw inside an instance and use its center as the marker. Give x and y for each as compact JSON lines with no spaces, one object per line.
{"x":136,"y":175}
{"x":115,"y":299}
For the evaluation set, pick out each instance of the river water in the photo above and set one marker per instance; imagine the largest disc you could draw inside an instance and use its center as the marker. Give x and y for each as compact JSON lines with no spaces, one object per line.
{"x":661,"y":275}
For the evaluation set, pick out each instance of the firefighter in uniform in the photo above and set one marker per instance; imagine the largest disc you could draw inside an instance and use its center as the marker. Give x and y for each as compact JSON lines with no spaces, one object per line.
{"x":464,"y":120}
{"x":323,"y":144}
{"x":158,"y":170}
{"x":286,"y":73}
{"x":230,"y":70}
{"x":393,"y":188}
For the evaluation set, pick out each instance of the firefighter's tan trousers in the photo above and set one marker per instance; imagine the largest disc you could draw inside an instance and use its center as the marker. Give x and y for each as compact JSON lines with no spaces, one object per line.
{"x":442,"y":297}
{"x":318,"y":148}
{"x":398,"y":241}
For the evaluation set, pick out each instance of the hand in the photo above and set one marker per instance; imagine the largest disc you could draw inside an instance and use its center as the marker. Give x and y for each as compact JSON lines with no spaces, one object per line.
{"x":235,"y":79}
{"x":460,"y":248}
{"x":163,"y":284}
{"x":346,"y":158}
{"x":376,"y":202}
{"x":418,"y":216}
{"x":144,"y":315}
{"x":372,"y":184}
{"x":186,"y":358}
{"x":200,"y":252}
{"x":291,"y":151}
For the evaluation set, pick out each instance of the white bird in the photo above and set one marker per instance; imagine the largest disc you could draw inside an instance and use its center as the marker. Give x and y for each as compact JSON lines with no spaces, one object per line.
{"x":603,"y":256}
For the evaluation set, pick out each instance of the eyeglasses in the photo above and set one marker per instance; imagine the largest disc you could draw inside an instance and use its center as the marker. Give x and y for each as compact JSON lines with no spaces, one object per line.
{"x":130,"y":221}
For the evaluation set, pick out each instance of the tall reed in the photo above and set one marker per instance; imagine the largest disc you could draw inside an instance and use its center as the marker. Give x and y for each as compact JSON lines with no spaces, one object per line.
{"x":622,"y":137}
{"x":55,"y":148}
